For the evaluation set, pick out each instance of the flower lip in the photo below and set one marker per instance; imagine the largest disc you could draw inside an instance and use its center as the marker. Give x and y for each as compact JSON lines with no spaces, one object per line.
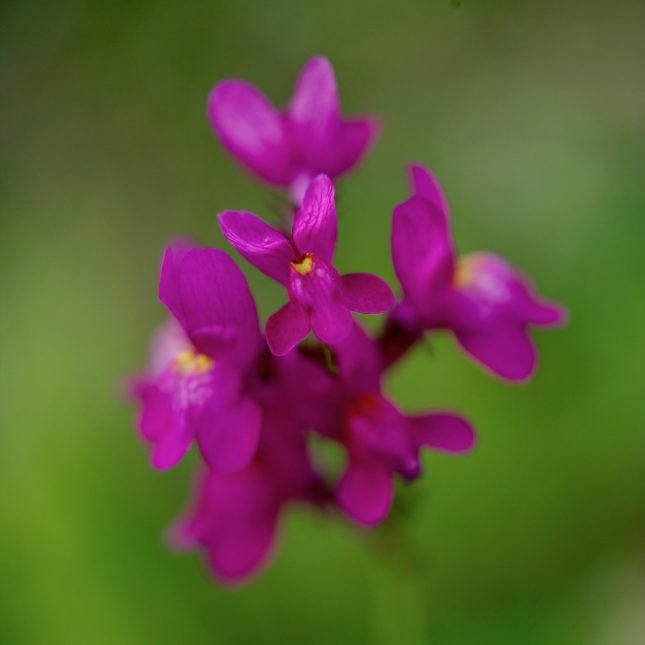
{"x":305,"y":266}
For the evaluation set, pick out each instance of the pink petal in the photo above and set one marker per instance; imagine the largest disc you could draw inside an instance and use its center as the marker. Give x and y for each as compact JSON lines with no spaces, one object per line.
{"x":503,"y":348}
{"x":265,"y":248}
{"x":545,"y":314}
{"x":352,"y":142}
{"x":250,"y":128}
{"x":204,"y":290}
{"x":315,"y":224}
{"x":360,"y":362}
{"x":217,"y":305}
{"x":532,"y":309}
{"x":168,"y":341}
{"x":425,"y":184}
{"x":422,"y":250}
{"x":365,"y":491}
{"x":443,"y":431}
{"x":169,"y":292}
{"x":233,"y":517}
{"x":366,"y":293}
{"x":331,"y":321}
{"x":170,"y":449}
{"x":165,"y":426}
{"x":286,"y":328}
{"x":228,"y":435}
{"x":314,"y":110}
{"x":241,"y":551}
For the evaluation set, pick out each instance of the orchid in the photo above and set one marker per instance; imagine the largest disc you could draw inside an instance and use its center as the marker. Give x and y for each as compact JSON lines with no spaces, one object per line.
{"x":379,"y":438}
{"x":259,"y":406}
{"x":486,"y":303}
{"x":194,"y":386}
{"x":235,"y":516}
{"x":288,"y":149}
{"x":319,"y":298}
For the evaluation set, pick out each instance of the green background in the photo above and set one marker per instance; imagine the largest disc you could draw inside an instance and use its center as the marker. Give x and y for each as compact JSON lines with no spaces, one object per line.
{"x":533,"y":116}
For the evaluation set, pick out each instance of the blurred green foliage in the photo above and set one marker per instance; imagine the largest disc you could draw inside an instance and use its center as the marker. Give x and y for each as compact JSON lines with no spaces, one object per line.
{"x":533,"y":116}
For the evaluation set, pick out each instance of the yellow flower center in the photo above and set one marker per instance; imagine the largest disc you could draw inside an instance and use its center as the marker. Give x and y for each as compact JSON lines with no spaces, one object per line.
{"x":466,"y":270}
{"x":188,"y":362}
{"x":305,"y":266}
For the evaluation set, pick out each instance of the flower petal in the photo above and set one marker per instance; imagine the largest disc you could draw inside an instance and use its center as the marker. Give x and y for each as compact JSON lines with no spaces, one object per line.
{"x":366,"y":293}
{"x":504,"y":348}
{"x":315,"y":224}
{"x":360,"y":362}
{"x":168,"y":341}
{"x":422,"y":250}
{"x":314,"y":110}
{"x":443,"y":431}
{"x":228,"y":435}
{"x":365,"y":491}
{"x":169,"y":292}
{"x":243,"y":548}
{"x":233,"y":517}
{"x":531,"y":309}
{"x":542,"y":313}
{"x":165,"y":426}
{"x":331,"y":321}
{"x":263,"y":246}
{"x":352,"y":141}
{"x":209,"y":296}
{"x":251,"y":129}
{"x":286,"y":328}
{"x":425,"y":184}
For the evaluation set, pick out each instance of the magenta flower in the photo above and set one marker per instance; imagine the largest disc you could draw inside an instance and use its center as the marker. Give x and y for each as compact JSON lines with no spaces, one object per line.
{"x":234,"y":518}
{"x":319,"y":298}
{"x":194,"y":387}
{"x":288,"y":149}
{"x":254,"y":408}
{"x":380,"y":440}
{"x":487,"y":304}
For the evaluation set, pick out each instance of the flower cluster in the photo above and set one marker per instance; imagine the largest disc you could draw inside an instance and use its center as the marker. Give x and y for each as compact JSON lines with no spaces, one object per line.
{"x":252,"y":401}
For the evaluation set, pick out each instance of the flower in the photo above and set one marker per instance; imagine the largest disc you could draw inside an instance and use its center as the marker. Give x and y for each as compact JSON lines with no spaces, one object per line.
{"x":288,"y":149}
{"x":312,"y":426}
{"x":319,"y":298}
{"x":486,"y":303}
{"x":234,"y":517}
{"x":194,"y":386}
{"x":380,"y":440}
{"x":233,"y":520}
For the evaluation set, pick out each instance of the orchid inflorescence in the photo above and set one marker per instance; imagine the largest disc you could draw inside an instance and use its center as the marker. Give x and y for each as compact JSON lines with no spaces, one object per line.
{"x":253,"y":402}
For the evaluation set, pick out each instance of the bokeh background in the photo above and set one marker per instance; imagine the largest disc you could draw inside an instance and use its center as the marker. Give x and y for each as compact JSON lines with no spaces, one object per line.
{"x":532,"y":114}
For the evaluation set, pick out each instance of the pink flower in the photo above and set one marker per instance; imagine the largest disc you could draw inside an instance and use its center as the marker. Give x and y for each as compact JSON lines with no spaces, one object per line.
{"x":254,"y":407}
{"x":234,"y":517}
{"x":194,"y":387}
{"x":288,"y":149}
{"x":487,"y":304}
{"x":380,"y":440}
{"x":319,"y":298}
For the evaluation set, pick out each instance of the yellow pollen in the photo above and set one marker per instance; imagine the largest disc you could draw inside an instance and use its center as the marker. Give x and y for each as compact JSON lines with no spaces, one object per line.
{"x":466,"y":270}
{"x":190,"y":363}
{"x":306,"y":266}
